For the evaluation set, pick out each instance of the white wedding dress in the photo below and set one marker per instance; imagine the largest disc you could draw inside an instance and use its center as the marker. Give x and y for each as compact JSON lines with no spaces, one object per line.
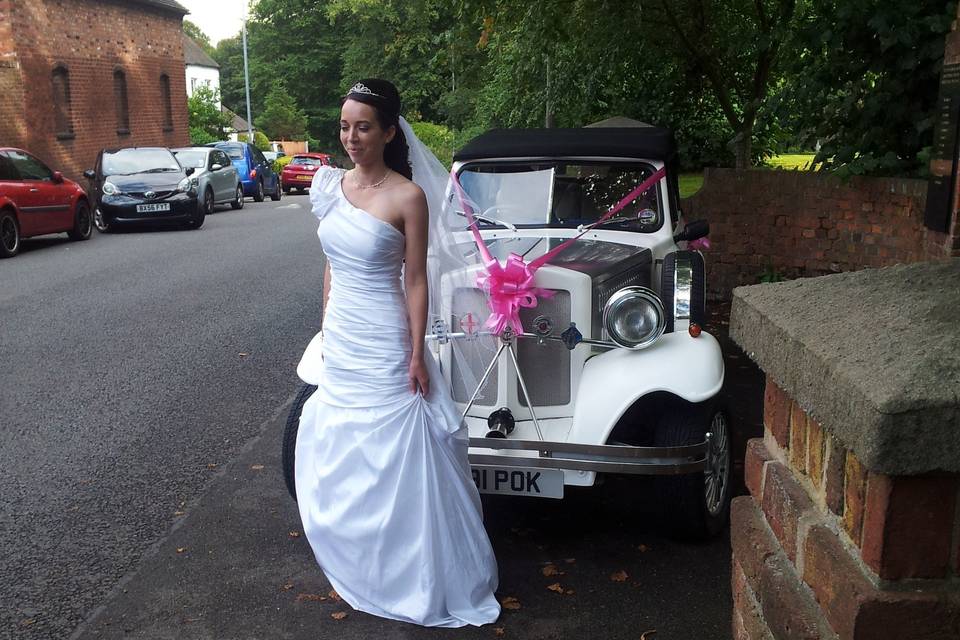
{"x":383,"y":482}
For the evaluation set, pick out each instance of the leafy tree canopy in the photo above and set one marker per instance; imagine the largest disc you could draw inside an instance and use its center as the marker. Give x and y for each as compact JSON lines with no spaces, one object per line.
{"x":197,"y":35}
{"x":207,"y":122}
{"x":281,"y":118}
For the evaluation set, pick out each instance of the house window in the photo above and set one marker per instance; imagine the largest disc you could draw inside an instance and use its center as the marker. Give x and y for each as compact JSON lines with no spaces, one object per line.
{"x":120,"y":99}
{"x":61,"y":103}
{"x":166,"y":102}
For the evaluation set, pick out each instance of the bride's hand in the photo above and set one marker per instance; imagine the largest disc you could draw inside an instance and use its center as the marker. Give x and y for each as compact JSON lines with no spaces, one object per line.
{"x":419,"y":376}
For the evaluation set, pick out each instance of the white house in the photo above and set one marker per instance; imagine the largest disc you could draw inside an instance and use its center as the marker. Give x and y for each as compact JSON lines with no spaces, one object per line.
{"x":202,"y":70}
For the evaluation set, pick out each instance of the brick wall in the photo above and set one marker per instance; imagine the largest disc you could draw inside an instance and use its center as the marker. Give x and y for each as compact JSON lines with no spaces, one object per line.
{"x":801,"y":224}
{"x":823,"y":548}
{"x":92,"y":39}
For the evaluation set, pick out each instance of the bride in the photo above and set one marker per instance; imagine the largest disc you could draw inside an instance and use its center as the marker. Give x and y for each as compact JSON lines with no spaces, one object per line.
{"x":382,"y":477}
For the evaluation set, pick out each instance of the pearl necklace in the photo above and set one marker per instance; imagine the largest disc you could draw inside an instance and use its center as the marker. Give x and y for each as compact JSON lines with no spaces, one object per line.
{"x":375,"y":185}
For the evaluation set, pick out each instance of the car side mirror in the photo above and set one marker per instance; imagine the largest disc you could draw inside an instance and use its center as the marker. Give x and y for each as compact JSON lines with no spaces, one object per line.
{"x":693,"y":231}
{"x":57,"y":177}
{"x":89,"y":174}
{"x":188,"y":171}
{"x":216,"y":166}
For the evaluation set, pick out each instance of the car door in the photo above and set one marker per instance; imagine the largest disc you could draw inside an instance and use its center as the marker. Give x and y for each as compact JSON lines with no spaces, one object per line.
{"x":16,"y":190}
{"x":265,"y":169}
{"x":48,"y":204}
{"x":225,"y":180}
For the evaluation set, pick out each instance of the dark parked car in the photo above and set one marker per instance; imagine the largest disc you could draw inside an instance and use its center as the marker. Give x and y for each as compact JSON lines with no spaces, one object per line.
{"x":143,"y":184}
{"x":35,"y":200}
{"x":256,"y":172}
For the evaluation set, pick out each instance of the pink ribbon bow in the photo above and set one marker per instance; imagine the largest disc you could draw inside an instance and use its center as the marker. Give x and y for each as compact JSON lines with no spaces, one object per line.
{"x":510,"y":287}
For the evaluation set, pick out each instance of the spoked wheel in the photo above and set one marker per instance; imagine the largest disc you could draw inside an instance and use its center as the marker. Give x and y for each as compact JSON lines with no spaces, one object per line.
{"x":82,"y":223}
{"x":101,"y":223}
{"x":695,"y":505}
{"x":9,"y":235}
{"x":208,"y":202}
{"x":237,"y":202}
{"x":290,"y":438}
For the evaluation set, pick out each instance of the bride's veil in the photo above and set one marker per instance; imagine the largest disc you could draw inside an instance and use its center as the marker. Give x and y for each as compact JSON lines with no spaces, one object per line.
{"x":452,"y":265}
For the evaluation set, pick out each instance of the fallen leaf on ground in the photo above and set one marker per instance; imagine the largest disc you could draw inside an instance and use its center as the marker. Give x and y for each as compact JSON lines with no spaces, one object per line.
{"x":309,"y":597}
{"x":286,"y":587}
{"x":339,"y":615}
{"x":257,"y":467}
{"x":499,"y":631}
{"x":294,"y":534}
{"x":570,"y":560}
{"x":550,"y":570}
{"x":510,"y":603}
{"x":643,"y":548}
{"x":643,"y":636}
{"x":212,"y":465}
{"x":619,"y":576}
{"x":178,"y":513}
{"x":28,"y":622}
{"x":569,"y":592}
{"x":335,"y":596}
{"x":556,"y":587}
{"x":243,"y":354}
{"x":181,"y":549}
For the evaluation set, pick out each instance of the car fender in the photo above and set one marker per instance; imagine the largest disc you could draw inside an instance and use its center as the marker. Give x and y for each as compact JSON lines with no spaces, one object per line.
{"x":7,"y":203}
{"x":691,"y":368}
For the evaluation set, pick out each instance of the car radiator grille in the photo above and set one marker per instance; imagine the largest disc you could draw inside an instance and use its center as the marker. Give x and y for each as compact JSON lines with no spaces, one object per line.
{"x":545,"y":367}
{"x":158,"y":195}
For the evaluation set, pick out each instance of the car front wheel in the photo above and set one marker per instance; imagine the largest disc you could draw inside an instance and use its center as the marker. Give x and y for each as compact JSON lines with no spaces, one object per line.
{"x":237,"y":202}
{"x":695,"y":505}
{"x":208,"y":202}
{"x":259,"y":195}
{"x":82,"y":223}
{"x":101,"y":223}
{"x":9,"y":235}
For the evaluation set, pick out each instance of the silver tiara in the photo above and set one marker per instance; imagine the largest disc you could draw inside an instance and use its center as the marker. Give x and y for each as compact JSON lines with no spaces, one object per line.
{"x":362,"y":88}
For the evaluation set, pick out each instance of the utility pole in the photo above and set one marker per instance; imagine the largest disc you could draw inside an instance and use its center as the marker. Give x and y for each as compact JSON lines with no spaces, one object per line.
{"x":246,"y":80}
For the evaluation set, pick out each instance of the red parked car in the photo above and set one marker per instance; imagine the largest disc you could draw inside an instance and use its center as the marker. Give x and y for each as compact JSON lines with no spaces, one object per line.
{"x":35,"y":200}
{"x":299,"y":173}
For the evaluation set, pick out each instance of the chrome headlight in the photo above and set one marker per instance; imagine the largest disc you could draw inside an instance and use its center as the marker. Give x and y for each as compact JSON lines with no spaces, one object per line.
{"x":110,"y":189}
{"x":633,"y":317}
{"x":185,"y":185}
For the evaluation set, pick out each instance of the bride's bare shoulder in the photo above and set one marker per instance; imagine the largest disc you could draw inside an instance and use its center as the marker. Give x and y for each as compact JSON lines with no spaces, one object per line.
{"x":411,"y":196}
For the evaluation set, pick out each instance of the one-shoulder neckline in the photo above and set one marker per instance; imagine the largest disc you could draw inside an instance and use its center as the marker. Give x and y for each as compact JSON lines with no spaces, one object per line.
{"x":343,"y":194}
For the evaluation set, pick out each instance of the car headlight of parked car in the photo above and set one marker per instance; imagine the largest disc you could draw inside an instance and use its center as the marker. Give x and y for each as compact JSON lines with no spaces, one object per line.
{"x":634,"y":317}
{"x":187,"y":185}
{"x":110,"y":189}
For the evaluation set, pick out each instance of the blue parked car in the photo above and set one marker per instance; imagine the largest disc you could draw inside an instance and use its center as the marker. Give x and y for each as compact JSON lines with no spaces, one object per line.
{"x":256,"y":172}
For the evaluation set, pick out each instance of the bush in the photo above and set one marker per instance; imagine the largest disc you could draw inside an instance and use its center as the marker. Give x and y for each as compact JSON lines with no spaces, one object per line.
{"x":260,"y":140}
{"x":280,"y":163}
{"x":199,"y":136}
{"x":438,"y":138}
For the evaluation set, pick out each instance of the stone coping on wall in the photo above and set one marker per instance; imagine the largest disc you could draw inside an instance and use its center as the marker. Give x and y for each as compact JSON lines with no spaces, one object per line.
{"x":873,"y":355}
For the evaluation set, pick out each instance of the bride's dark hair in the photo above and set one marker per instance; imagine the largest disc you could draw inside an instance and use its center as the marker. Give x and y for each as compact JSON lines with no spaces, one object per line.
{"x":383,"y":96}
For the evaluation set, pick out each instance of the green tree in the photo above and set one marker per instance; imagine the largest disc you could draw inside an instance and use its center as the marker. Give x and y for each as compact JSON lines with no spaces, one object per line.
{"x":229,"y":55}
{"x":281,"y":118}
{"x":864,"y":83}
{"x":197,"y":35}
{"x":206,"y":120}
{"x":260,"y":140}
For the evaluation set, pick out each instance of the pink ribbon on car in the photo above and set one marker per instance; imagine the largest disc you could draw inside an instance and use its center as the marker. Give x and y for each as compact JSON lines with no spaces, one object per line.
{"x":510,"y":286}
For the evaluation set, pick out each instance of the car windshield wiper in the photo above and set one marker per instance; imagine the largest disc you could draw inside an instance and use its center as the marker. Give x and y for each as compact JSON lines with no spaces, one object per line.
{"x":480,"y":216}
{"x":157,"y":170}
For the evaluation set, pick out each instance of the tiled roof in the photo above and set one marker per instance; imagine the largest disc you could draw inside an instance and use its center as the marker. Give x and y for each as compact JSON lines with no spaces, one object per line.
{"x":166,"y":5}
{"x":195,"y":55}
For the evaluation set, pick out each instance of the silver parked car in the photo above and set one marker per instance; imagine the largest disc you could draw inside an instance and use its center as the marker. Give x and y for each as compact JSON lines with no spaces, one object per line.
{"x":217,"y":178}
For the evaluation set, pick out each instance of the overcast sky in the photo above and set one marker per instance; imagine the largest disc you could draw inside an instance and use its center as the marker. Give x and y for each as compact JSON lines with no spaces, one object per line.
{"x":218,"y":19}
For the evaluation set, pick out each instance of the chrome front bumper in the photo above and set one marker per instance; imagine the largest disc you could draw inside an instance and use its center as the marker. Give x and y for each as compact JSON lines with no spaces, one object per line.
{"x":603,"y":458}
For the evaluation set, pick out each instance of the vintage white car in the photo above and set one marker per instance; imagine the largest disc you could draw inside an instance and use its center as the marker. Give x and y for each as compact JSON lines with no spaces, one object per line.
{"x":612,"y":373}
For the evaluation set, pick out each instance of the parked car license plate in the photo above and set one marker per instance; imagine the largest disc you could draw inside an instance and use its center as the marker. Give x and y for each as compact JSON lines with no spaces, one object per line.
{"x":303,"y":177}
{"x":539,"y":483}
{"x":148,"y":208}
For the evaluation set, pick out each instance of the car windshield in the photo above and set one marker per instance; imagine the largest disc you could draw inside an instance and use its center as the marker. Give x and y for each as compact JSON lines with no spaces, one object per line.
{"x":561,"y":193}
{"x":307,"y":162}
{"x":129,"y":161}
{"x":195,"y":159}
{"x":233,"y":150}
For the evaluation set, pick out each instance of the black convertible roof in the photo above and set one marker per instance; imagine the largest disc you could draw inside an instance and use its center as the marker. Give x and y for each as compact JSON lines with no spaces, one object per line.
{"x":653,"y":143}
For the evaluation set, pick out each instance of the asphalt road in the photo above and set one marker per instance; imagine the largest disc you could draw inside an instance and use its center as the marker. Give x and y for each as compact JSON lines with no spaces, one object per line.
{"x":144,"y":378}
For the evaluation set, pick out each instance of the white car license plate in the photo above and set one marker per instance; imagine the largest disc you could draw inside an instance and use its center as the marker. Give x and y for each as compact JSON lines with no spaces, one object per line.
{"x":148,"y":208}
{"x":539,"y":483}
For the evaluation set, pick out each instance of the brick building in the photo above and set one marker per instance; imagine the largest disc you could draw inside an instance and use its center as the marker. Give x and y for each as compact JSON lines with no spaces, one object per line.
{"x":80,"y":75}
